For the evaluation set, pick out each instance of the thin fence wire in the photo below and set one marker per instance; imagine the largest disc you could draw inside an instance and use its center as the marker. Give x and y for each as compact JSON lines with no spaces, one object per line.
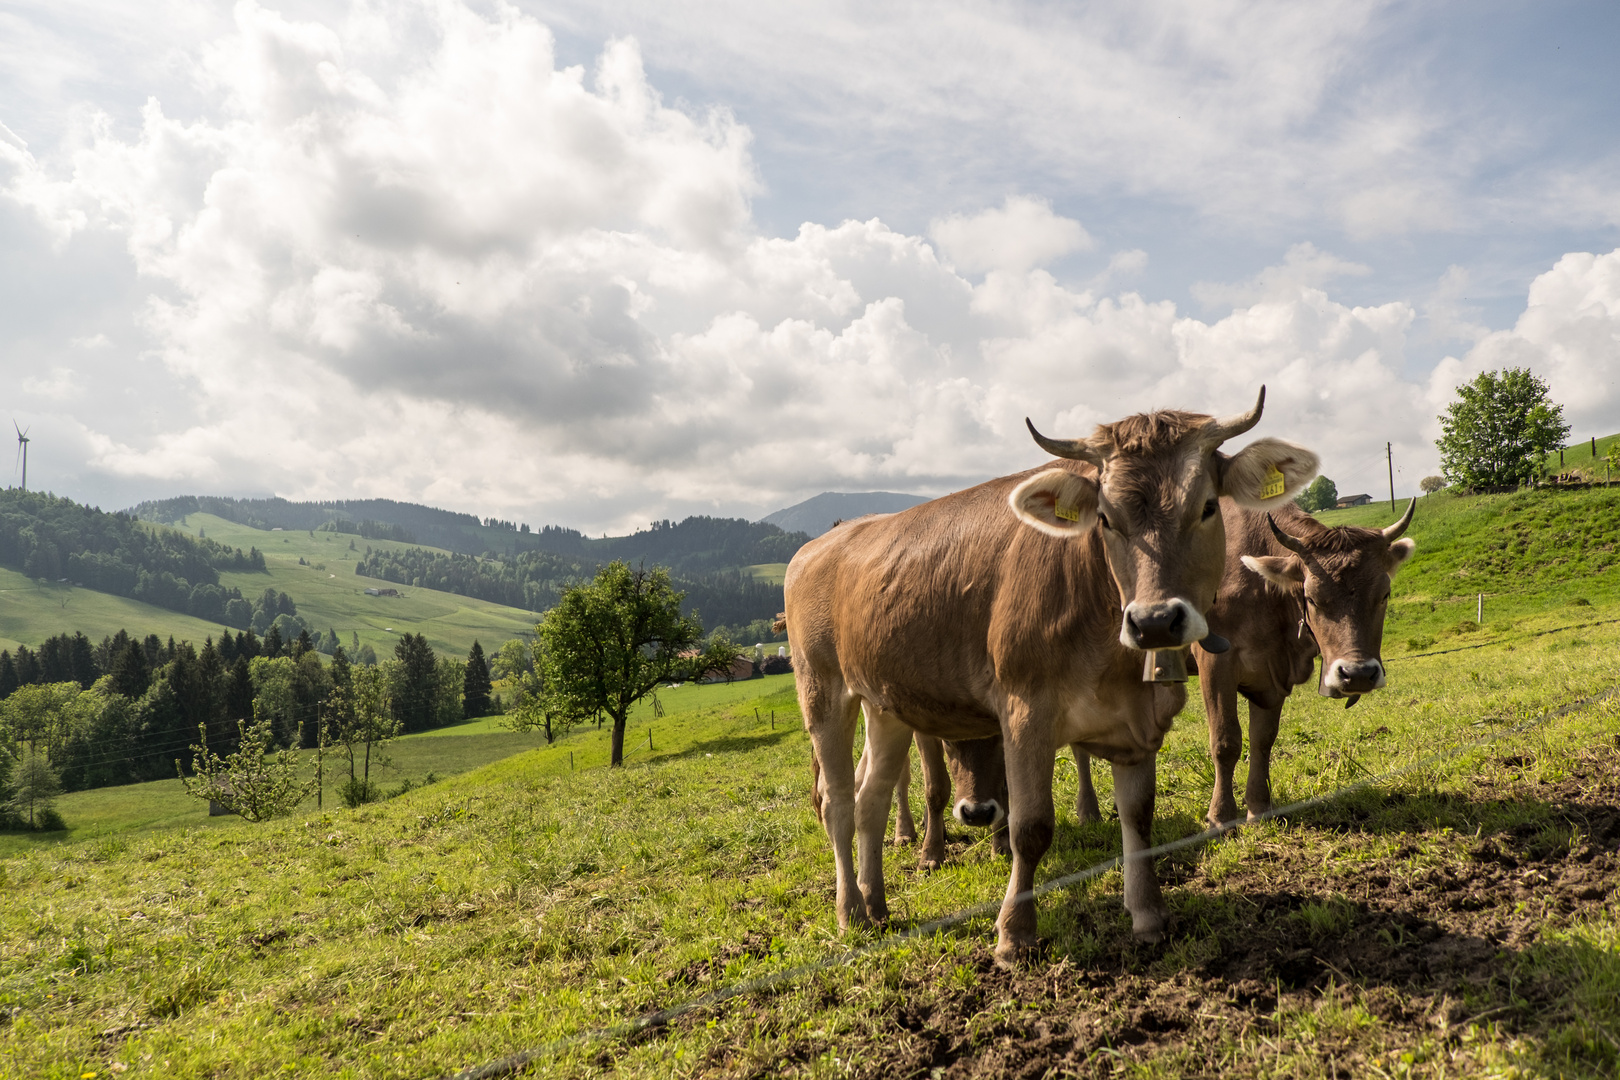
{"x":512,"y":1063}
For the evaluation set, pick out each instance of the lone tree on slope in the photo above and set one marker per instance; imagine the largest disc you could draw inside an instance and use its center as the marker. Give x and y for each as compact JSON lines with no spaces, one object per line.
{"x":1498,"y":431}
{"x":1323,"y":494}
{"x":608,"y":644}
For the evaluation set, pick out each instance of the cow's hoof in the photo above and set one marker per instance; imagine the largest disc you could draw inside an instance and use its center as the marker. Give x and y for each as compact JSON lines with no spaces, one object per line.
{"x":1259,"y":814}
{"x":927,"y":864}
{"x":903,"y":840}
{"x":1000,"y":844}
{"x":853,"y":917}
{"x":1015,"y":954}
{"x":1150,"y":927}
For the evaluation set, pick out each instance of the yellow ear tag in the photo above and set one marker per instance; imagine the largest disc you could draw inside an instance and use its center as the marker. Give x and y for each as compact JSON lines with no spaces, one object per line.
{"x":1067,"y":513}
{"x":1275,"y":484}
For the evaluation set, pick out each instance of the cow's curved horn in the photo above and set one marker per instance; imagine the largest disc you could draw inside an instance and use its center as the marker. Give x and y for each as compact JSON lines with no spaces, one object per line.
{"x":1394,"y":531}
{"x":1293,"y":544}
{"x":1228,"y":426}
{"x":1075,"y":449}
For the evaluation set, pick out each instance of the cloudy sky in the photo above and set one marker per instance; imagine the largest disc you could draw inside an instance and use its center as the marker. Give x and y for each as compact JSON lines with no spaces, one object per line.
{"x":598,"y":263}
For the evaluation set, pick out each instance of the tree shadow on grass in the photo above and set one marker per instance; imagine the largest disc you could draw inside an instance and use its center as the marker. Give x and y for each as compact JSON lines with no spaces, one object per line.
{"x":726,"y":744}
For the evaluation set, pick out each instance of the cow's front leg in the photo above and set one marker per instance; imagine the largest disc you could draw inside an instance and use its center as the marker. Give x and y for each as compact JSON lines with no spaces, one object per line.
{"x":936,"y":796}
{"x":1217,"y":677}
{"x":1134,"y":790}
{"x":888,"y":743}
{"x":830,"y":721}
{"x":1085,"y":798}
{"x":1264,"y":720}
{"x":1030,"y":823}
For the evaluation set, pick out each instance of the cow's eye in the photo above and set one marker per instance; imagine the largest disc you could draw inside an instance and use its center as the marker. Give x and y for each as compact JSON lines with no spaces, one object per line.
{"x":1102,"y":519}
{"x":1210,"y":508}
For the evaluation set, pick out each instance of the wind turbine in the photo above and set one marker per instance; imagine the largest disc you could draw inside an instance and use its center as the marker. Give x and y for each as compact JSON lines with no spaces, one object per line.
{"x":22,"y":453}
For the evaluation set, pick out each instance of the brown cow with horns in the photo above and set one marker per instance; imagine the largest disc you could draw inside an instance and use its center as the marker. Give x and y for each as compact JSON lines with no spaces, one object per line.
{"x":962,"y":620}
{"x":1294,"y":589}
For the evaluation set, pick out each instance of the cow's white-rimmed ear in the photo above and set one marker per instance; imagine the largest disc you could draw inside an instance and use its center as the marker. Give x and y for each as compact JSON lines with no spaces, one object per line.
{"x":1286,"y":572}
{"x":1400,"y":551}
{"x":1267,"y":473}
{"x":1057,"y":502}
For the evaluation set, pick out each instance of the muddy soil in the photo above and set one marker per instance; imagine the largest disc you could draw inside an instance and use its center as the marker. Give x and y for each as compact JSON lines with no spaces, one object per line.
{"x":1427,"y":936}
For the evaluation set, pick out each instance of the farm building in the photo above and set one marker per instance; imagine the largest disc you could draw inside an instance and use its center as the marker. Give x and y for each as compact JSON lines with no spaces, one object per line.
{"x":1352,"y":500}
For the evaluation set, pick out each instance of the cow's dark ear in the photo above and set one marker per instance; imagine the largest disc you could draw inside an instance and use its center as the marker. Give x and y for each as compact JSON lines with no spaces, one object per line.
{"x":1285,"y":572}
{"x":1267,"y":473}
{"x":1399,"y":552}
{"x":1057,"y":502}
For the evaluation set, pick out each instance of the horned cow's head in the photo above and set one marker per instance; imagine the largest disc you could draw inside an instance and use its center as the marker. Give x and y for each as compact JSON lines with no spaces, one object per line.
{"x":1155,"y":501}
{"x":1343,"y":577}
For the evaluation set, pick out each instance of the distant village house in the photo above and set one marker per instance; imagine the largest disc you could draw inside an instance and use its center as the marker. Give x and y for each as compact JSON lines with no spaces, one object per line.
{"x":1353,"y":500}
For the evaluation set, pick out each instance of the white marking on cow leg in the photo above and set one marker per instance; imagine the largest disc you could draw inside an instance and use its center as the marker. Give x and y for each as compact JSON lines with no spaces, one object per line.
{"x":1263,"y":725}
{"x":1030,"y":756}
{"x":1085,"y":799}
{"x":1134,"y":787}
{"x":888,"y":743}
{"x":830,"y":720}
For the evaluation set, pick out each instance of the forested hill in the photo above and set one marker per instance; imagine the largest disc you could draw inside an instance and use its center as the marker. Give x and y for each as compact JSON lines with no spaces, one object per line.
{"x":56,"y":539}
{"x":697,"y":544}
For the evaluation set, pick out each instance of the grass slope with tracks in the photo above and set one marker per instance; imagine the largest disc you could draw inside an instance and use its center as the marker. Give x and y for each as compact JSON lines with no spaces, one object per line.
{"x":1457,"y":919}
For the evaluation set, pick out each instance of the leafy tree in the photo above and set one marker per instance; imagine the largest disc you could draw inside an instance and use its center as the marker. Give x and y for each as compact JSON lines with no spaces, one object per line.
{"x":609,"y":643}
{"x":1432,"y":484}
{"x":34,"y":787}
{"x":511,"y":661}
{"x":255,"y":782}
{"x":1322,"y":494}
{"x":1499,"y":429}
{"x":476,"y":685}
{"x":361,"y":721}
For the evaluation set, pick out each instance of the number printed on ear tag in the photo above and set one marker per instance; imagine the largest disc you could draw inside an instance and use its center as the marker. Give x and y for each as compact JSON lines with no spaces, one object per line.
{"x":1067,"y":513}
{"x":1275,"y":484}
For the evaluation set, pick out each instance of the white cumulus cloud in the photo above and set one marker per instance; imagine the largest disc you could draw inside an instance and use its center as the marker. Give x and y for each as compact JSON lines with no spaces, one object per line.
{"x":467,"y":273}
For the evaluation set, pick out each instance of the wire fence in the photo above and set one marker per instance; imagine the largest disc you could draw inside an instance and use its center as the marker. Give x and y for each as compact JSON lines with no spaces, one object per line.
{"x":521,"y":1059}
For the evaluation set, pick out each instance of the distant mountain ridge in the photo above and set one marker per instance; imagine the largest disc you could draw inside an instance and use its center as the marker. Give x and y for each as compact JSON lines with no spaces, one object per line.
{"x":816,"y":515}
{"x":695,"y":545}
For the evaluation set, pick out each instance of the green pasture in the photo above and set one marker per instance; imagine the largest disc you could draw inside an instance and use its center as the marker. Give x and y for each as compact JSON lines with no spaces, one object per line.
{"x":772,"y":572}
{"x":30,"y":612}
{"x":415,"y":759}
{"x":328,"y":592}
{"x":526,"y":903}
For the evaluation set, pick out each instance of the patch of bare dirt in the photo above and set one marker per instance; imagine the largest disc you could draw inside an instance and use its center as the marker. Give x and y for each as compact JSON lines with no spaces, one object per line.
{"x":1426,"y":939}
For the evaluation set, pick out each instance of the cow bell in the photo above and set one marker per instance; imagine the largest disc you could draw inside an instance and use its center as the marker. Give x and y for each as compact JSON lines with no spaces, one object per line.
{"x":1165,"y":666}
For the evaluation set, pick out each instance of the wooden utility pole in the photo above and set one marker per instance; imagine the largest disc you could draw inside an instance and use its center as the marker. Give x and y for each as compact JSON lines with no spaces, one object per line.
{"x":1390,"y":457}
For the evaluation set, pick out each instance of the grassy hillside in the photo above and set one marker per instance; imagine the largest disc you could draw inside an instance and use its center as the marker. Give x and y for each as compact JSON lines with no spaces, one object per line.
{"x":327,"y":592}
{"x":523,"y":905}
{"x":442,"y":752}
{"x":1531,"y":553}
{"x":30,"y":613}
{"x":1580,"y":456}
